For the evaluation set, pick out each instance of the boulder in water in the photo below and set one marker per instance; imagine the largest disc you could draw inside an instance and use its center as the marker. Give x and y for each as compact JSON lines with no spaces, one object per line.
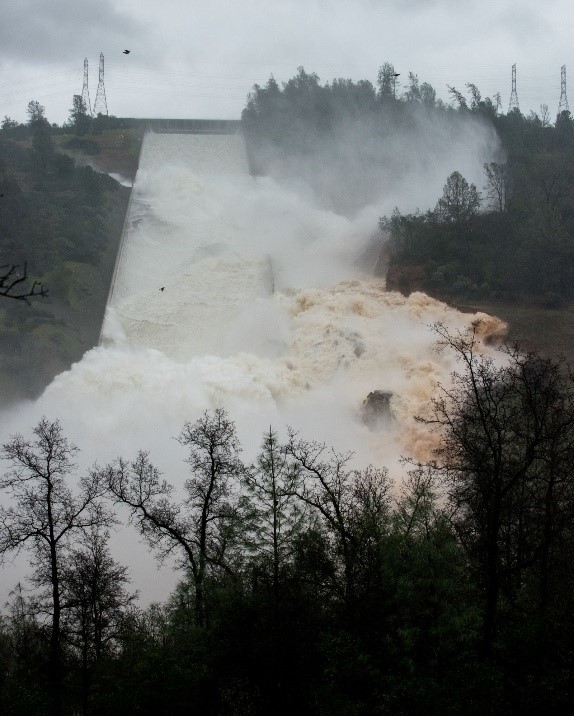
{"x":376,"y":410}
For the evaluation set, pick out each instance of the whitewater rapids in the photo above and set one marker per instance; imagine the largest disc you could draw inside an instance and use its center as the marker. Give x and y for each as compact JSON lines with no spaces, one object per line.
{"x":244,"y":293}
{"x":238,"y":292}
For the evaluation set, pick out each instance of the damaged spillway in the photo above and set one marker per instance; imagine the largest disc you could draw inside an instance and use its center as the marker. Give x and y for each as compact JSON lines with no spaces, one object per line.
{"x":247,"y":293}
{"x":182,"y":278}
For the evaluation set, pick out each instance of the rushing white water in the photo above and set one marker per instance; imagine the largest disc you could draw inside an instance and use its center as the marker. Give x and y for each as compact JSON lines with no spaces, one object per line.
{"x":240,"y":292}
{"x":237,"y":291}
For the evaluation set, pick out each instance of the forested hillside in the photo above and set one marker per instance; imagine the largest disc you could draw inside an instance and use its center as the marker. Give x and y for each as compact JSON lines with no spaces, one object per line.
{"x":511,"y":238}
{"x":61,"y":223}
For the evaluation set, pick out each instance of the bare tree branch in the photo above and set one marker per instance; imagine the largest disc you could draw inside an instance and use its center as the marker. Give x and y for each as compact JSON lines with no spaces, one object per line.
{"x":14,"y":284}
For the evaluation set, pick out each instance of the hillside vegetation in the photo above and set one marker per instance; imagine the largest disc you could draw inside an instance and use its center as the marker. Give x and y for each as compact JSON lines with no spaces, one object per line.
{"x":61,"y":222}
{"x":506,"y":246}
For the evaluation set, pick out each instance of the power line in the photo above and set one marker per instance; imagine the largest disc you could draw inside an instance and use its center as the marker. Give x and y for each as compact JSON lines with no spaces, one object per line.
{"x":563,"y":104}
{"x":101,"y":105}
{"x":85,"y":91}
{"x":513,"y":104}
{"x":215,"y":83}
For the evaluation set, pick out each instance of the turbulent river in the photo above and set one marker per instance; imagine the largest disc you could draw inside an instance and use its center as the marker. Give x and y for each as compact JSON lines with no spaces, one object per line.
{"x":242,"y":292}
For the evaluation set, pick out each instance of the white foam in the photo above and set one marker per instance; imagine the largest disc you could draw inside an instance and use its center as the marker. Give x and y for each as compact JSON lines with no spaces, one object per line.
{"x":263,"y":311}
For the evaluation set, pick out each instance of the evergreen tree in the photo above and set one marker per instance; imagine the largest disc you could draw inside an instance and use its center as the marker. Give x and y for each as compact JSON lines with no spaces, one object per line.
{"x":274,"y":515}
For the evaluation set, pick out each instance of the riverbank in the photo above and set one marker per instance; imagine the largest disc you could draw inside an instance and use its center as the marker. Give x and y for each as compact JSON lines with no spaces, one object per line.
{"x":548,"y":331}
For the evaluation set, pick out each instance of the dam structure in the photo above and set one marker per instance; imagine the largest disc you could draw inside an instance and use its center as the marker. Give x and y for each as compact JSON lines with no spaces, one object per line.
{"x":248,"y":293}
{"x":182,"y":276}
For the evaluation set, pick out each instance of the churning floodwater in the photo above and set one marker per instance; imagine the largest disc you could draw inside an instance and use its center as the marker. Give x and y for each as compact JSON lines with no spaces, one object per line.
{"x":243,"y":292}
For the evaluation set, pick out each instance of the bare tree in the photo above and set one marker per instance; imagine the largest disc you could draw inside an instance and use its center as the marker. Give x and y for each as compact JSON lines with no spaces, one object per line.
{"x":201,"y":527}
{"x":506,"y":448}
{"x":499,"y":184}
{"x":416,"y":512}
{"x":47,"y":518}
{"x":552,"y":173}
{"x":353,"y":505}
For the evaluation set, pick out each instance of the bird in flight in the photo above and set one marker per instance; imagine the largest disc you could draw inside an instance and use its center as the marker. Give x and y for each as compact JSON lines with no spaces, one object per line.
{"x":127,"y":52}
{"x":161,"y":289}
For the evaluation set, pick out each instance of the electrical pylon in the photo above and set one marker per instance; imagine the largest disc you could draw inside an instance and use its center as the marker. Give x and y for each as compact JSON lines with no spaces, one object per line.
{"x":85,"y":90}
{"x":101,"y":105}
{"x":513,"y":95}
{"x":563,"y":104}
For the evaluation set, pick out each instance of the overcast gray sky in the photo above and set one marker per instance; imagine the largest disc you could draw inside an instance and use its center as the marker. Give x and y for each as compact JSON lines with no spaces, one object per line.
{"x":201,"y":58}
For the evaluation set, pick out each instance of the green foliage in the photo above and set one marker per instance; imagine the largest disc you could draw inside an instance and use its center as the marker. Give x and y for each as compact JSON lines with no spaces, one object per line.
{"x":80,"y":120}
{"x":387,"y":81}
{"x":8,"y":124}
{"x":459,"y":203}
{"x":84,"y":146}
{"x":270,"y":509}
{"x":362,"y":602}
{"x":339,"y":135}
{"x":506,"y":445}
{"x":521,"y":245}
{"x":36,"y":114}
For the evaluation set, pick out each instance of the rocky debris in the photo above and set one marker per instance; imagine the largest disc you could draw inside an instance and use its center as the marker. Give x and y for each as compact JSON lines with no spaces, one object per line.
{"x":405,"y":279}
{"x":376,"y":410}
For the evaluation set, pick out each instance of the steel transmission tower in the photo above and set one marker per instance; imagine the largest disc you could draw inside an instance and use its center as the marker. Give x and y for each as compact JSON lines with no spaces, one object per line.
{"x":85,"y":90}
{"x":101,"y":105}
{"x":513,"y":95}
{"x":563,"y":104}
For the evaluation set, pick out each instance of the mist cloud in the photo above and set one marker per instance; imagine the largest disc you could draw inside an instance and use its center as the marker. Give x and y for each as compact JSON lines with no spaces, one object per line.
{"x":361,"y":166}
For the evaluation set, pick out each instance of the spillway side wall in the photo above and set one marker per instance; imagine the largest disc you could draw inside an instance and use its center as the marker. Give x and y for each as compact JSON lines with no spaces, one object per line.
{"x":163,"y":126}
{"x":119,"y":251}
{"x":118,"y":254}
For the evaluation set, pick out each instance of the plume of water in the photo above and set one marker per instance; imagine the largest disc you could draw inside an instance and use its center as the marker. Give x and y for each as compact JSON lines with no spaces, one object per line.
{"x":245,"y":293}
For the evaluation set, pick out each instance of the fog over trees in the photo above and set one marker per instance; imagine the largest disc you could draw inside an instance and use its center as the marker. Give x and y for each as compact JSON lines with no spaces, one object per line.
{"x":511,"y":236}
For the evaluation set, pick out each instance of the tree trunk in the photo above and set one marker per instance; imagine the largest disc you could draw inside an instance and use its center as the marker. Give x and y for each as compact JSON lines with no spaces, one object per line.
{"x":492,"y":586}
{"x":55,"y":667}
